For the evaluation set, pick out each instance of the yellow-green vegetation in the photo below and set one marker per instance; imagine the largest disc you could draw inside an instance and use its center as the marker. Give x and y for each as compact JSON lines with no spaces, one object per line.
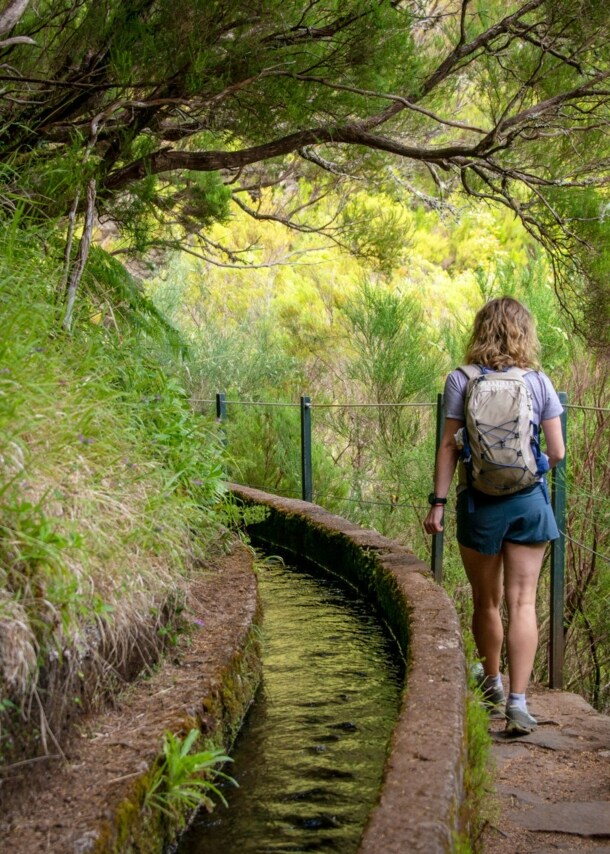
{"x":478,"y":805}
{"x":362,"y":329}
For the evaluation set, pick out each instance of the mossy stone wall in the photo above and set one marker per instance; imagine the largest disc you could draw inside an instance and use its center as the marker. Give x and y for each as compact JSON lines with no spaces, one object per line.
{"x":421,"y":799}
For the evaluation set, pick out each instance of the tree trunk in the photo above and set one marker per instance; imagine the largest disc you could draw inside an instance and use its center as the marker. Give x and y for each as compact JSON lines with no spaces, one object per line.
{"x":81,"y":256}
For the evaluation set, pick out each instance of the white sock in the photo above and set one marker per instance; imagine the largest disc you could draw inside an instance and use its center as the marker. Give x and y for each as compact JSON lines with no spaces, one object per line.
{"x":493,"y":681}
{"x":517,"y":700}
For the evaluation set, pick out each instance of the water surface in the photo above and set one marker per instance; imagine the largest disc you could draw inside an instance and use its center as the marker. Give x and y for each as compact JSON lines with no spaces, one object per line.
{"x":310,"y":756}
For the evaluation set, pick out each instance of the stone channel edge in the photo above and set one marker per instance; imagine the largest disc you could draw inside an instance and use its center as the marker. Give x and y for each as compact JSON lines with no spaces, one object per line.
{"x":419,"y":805}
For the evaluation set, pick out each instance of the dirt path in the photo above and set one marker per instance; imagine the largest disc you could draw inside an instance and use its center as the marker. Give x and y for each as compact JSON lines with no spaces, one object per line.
{"x":552,"y":787}
{"x":54,"y":806}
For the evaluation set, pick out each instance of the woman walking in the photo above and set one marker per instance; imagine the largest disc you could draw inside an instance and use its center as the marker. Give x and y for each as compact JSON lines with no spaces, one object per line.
{"x":502,"y":537}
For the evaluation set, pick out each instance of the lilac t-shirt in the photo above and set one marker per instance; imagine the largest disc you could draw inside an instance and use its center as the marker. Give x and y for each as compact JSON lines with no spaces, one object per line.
{"x":545,"y":402}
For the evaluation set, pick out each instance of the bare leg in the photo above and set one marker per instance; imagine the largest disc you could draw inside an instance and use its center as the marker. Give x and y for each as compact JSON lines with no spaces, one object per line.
{"x":485,"y":576}
{"x":522,"y":565}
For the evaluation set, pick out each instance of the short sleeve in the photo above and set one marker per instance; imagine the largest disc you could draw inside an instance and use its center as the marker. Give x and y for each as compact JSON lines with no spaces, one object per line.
{"x":545,"y":399}
{"x":455,"y":392}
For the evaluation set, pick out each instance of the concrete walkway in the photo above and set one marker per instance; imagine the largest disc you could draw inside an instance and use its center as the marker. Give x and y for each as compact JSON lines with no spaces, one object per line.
{"x":553,"y":786}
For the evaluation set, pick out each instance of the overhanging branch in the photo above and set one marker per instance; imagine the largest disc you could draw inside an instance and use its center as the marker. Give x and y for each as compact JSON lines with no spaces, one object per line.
{"x":168,"y":159}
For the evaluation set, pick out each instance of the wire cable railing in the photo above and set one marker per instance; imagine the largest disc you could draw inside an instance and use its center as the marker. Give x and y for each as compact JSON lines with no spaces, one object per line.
{"x":412,"y":405}
{"x":587,"y":408}
{"x":325,"y":496}
{"x":585,"y":547}
{"x":247,"y":402}
{"x":558,"y":492}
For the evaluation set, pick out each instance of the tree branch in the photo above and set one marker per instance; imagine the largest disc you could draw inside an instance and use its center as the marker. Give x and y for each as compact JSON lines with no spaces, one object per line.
{"x":16,"y":40}
{"x":550,"y":105}
{"x":284,"y":262}
{"x":12,"y":15}
{"x":81,"y":256}
{"x":295,"y":226}
{"x":168,"y":159}
{"x":302,"y":33}
{"x":463,"y":22}
{"x":408,"y":104}
{"x":356,"y":134}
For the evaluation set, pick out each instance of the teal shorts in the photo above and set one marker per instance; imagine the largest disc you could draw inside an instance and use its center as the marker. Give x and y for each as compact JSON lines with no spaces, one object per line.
{"x":525,"y":517}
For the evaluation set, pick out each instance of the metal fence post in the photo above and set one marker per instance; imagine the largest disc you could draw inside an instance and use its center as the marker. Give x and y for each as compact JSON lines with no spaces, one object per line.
{"x":437,"y":539}
{"x":221,"y":406}
{"x":558,"y":562}
{"x":306,"y":467}
{"x":221,"y":414}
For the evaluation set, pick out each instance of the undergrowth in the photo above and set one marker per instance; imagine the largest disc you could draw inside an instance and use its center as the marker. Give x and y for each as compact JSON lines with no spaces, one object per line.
{"x":109,"y":487}
{"x":478,"y":803}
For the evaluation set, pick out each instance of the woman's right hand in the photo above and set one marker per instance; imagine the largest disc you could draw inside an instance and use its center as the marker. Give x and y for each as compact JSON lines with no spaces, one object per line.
{"x":433,"y":523}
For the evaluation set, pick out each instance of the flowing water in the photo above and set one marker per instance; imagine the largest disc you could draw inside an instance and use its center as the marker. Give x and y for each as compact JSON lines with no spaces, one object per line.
{"x":310,"y":756}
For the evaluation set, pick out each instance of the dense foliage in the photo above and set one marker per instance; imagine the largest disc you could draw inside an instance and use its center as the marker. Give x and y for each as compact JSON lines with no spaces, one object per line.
{"x":160,"y":120}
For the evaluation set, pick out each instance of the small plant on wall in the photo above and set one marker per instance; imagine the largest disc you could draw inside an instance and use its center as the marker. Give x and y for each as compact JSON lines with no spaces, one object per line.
{"x":183,"y":781}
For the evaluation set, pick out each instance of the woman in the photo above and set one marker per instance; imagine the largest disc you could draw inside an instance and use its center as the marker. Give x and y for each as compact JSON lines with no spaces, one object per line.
{"x":502,"y":539}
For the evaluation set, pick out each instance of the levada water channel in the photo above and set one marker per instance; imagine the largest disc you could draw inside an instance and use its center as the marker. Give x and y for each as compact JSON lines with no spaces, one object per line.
{"x":309,"y":758}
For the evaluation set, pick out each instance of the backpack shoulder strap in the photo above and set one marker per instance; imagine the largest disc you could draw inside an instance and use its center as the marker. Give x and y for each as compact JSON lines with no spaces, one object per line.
{"x":471,"y":371}
{"x":517,"y":373}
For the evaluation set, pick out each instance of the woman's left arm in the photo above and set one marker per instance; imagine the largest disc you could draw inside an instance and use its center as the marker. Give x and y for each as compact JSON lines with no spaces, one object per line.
{"x":446,"y":460}
{"x":553,"y":437}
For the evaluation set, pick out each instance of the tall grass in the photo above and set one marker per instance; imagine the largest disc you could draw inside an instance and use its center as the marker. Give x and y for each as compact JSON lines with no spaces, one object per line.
{"x":108,"y":484}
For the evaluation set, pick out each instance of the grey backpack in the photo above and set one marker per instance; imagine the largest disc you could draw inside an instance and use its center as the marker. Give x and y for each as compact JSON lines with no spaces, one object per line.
{"x":501,"y":448}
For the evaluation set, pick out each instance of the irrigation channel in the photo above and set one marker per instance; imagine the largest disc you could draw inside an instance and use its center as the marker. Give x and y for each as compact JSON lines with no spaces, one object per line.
{"x":309,"y":758}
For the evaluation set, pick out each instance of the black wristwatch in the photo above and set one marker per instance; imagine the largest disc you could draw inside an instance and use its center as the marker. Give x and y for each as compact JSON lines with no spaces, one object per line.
{"x":434,"y":500}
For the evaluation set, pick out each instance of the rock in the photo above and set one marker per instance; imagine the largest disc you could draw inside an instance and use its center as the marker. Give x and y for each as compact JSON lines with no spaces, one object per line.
{"x":580,"y":818}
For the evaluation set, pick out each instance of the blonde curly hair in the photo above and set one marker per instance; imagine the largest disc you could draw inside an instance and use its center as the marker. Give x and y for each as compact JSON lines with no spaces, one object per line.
{"x":503,"y":336}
